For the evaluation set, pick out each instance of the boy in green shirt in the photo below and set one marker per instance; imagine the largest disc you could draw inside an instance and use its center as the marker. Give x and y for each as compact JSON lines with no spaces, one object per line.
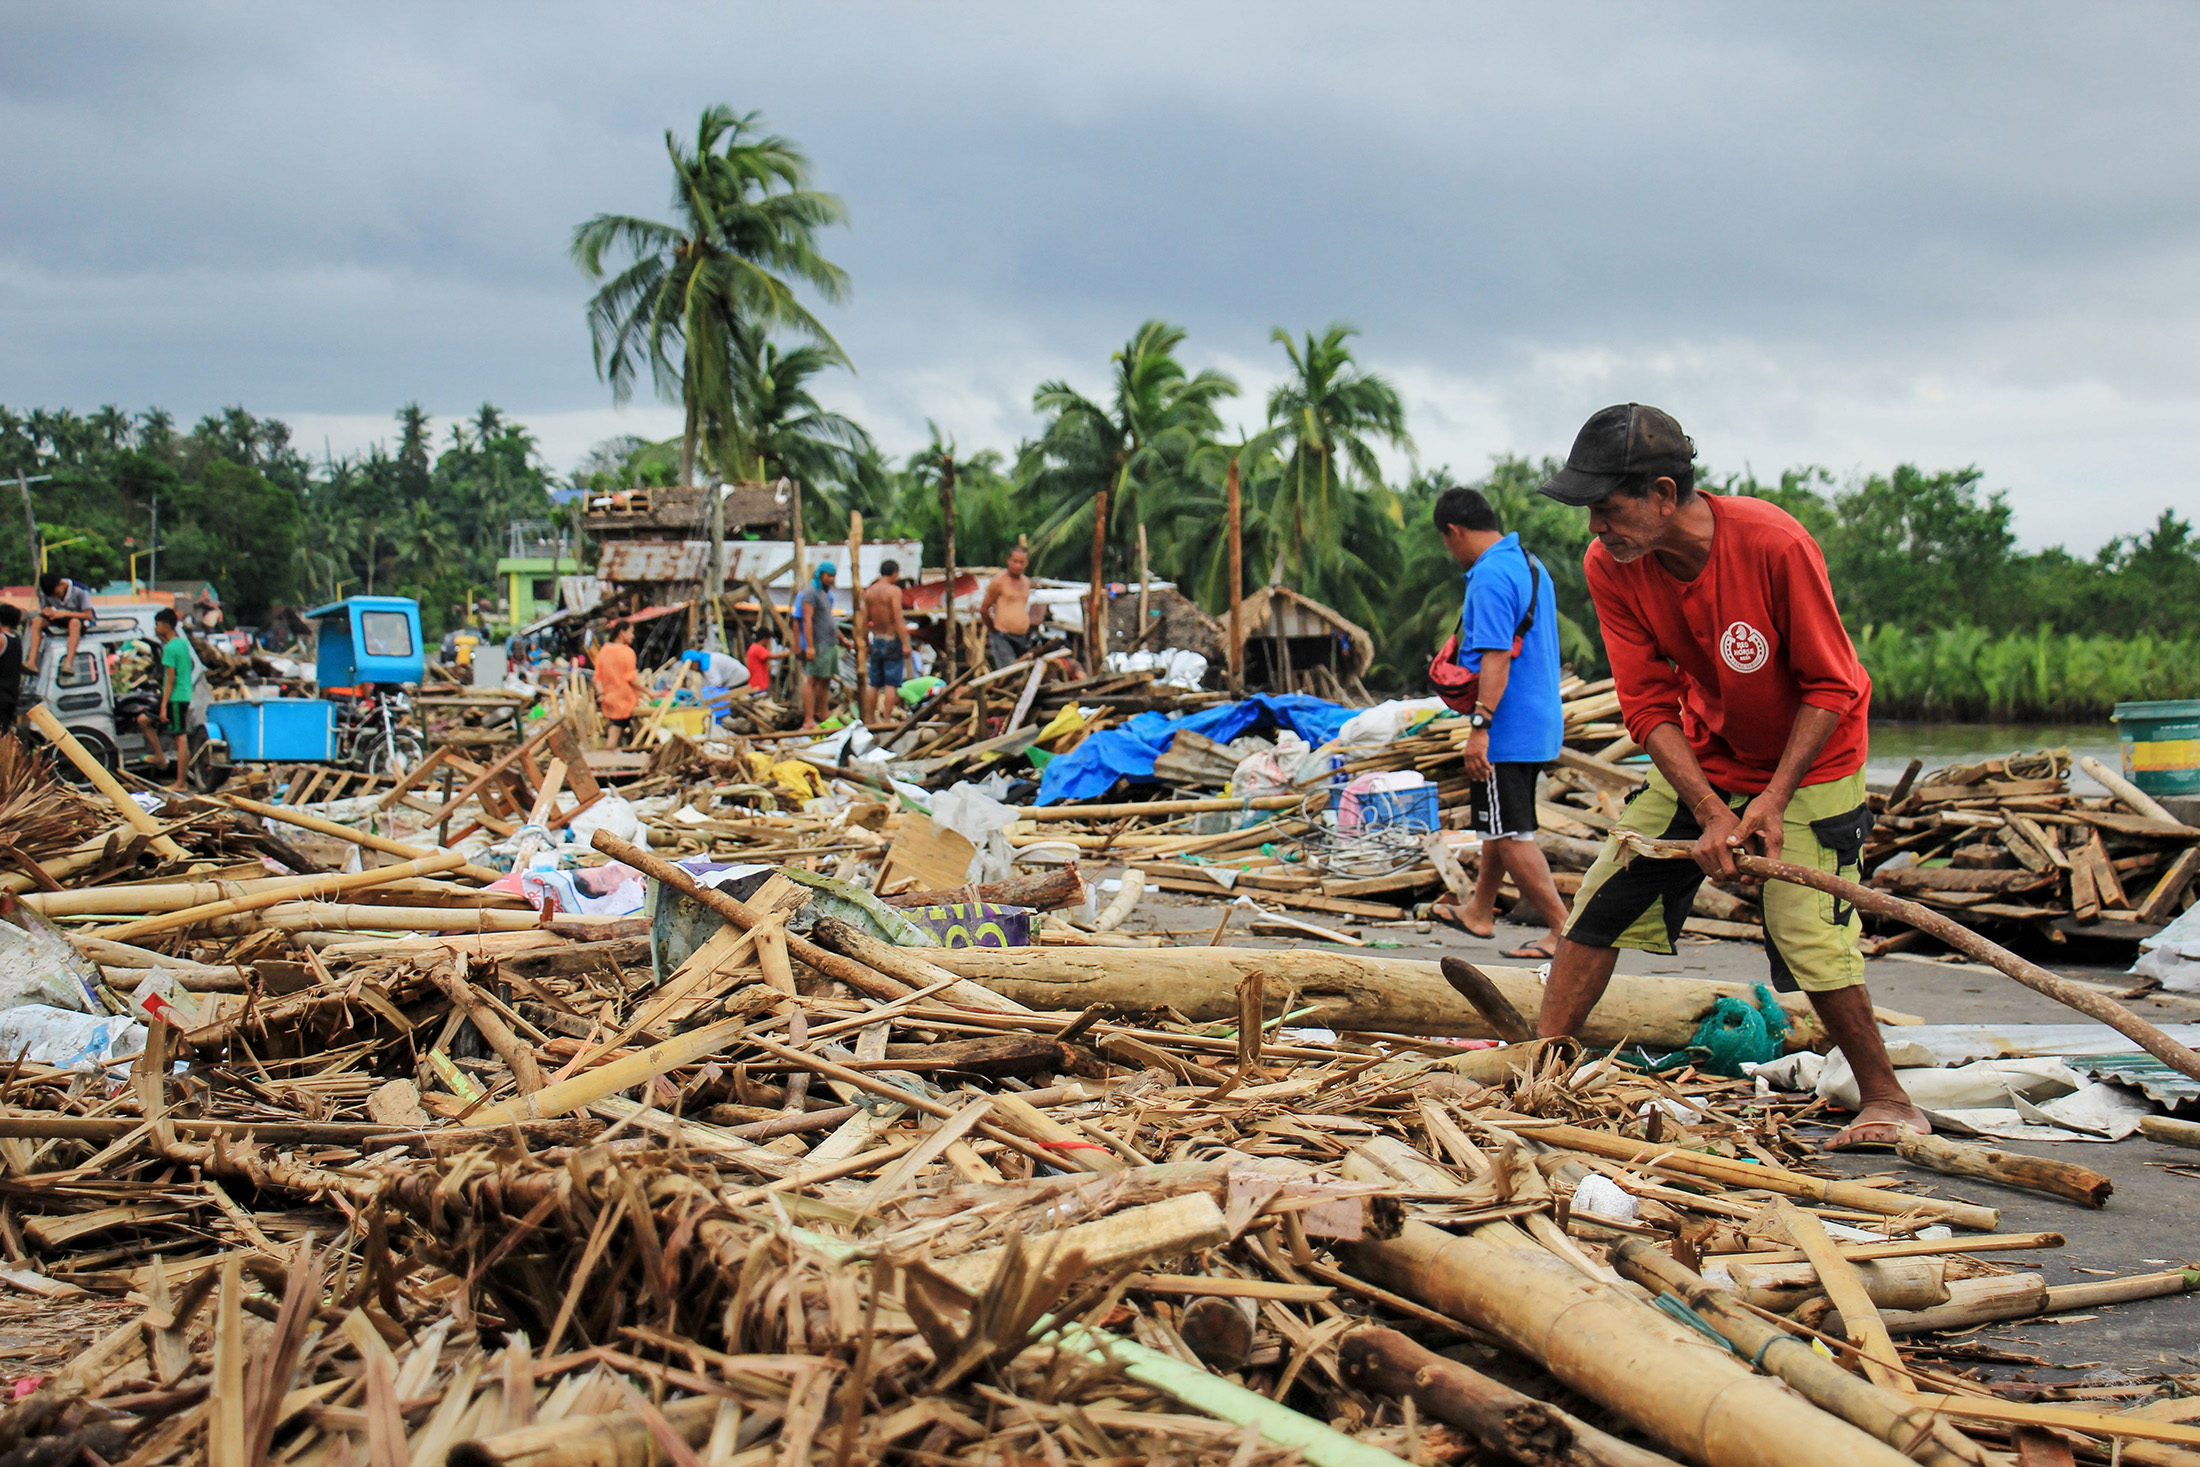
{"x":176,"y":670}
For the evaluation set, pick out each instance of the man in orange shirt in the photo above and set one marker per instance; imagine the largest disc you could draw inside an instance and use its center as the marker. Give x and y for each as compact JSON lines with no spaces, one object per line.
{"x":618,"y":684}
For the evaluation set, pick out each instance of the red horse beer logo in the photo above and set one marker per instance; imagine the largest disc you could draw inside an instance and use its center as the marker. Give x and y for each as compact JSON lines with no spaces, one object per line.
{"x":1744,"y":647}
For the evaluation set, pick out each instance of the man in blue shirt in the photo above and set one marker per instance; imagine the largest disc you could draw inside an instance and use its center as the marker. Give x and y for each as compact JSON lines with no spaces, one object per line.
{"x":1517,"y":722}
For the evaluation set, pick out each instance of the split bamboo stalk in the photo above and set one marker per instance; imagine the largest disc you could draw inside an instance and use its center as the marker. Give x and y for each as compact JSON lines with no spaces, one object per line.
{"x":42,"y":719}
{"x":1890,"y":1417}
{"x":2093,"y":1005}
{"x":290,"y":889}
{"x":1732,"y":1173}
{"x":742,"y":915}
{"x":1702,"y":1403}
{"x":593,"y":1085}
{"x":1866,"y":1331}
{"x":366,"y":838}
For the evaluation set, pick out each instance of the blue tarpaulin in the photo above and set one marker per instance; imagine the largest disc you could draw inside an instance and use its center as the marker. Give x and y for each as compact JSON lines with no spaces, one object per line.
{"x":1092,"y":768}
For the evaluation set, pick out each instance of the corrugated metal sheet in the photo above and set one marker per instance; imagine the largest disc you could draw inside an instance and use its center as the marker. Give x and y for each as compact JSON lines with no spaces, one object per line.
{"x":2144,"y":1073}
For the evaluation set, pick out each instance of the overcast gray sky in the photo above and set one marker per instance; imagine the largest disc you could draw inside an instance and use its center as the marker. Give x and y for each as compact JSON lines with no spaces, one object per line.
{"x":1848,"y":234}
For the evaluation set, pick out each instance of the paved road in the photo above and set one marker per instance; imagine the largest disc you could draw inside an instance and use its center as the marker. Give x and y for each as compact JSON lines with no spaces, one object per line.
{"x":2152,"y":1221}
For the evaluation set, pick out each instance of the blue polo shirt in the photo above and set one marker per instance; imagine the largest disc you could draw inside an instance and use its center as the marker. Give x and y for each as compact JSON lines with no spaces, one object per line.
{"x":1528,"y":726}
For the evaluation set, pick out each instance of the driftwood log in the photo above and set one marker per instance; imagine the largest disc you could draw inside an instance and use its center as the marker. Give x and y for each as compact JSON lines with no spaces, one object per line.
{"x":2032,"y":1173}
{"x":1045,"y":892}
{"x":1352,"y":991}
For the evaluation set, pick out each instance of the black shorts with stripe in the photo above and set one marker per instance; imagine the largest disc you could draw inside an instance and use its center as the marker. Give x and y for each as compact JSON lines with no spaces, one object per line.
{"x":1504,"y":804}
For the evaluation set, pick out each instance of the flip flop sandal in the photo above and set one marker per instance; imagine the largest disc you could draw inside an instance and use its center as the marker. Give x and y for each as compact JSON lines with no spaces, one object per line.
{"x":1531,"y":952}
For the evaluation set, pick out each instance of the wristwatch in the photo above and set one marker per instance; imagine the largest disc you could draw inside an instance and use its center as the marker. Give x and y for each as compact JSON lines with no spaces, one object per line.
{"x":1478,"y":719}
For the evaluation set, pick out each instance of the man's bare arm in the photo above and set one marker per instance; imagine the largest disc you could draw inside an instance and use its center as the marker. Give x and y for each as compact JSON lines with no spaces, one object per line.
{"x":992,"y":599}
{"x":1496,"y":673}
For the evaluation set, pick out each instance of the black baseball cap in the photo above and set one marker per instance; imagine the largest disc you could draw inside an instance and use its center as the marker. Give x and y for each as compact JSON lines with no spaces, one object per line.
{"x":1615,"y":442}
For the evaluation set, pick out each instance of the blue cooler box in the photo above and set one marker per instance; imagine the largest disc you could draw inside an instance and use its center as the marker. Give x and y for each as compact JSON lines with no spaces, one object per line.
{"x":1414,"y":809}
{"x":276,"y":730}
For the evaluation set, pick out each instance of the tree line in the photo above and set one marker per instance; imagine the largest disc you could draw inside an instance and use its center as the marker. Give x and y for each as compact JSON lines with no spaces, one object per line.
{"x":706,"y":307}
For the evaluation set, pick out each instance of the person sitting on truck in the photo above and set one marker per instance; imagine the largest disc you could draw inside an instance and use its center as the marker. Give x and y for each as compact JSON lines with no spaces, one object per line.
{"x":62,"y":603}
{"x":176,"y":674}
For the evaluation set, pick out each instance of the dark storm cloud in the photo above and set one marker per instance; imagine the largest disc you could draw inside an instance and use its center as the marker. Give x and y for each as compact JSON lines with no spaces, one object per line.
{"x":1847,"y":234}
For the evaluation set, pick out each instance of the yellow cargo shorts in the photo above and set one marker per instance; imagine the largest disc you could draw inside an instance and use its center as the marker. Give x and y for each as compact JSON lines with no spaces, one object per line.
{"x":1634,"y":902}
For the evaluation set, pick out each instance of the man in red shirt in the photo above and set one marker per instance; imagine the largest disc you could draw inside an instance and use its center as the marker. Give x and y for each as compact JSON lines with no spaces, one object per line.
{"x":1735,"y":673}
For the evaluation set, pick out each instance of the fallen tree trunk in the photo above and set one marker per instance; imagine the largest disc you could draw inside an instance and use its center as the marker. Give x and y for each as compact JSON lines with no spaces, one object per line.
{"x":1348,"y":990}
{"x":1661,"y":1376}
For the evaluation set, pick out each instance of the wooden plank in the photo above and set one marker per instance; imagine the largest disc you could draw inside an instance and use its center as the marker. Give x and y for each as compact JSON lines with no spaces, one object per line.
{"x":2161,"y":903}
{"x":414,"y":776}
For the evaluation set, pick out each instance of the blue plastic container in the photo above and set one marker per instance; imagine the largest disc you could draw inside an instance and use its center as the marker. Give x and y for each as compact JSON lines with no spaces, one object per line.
{"x":1414,"y":809}
{"x":276,"y":730}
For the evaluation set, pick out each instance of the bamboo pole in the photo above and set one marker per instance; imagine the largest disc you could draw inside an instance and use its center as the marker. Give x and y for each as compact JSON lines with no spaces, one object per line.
{"x":1889,"y":1417}
{"x":1513,"y":1426}
{"x":742,"y":915}
{"x":1137,"y":808}
{"x":1704,"y":1404}
{"x":289,"y":889}
{"x":365,"y":838}
{"x":2093,"y":1005}
{"x":2170,"y":1131}
{"x":42,"y":719}
{"x":366,"y":917}
{"x":1854,"y":1195}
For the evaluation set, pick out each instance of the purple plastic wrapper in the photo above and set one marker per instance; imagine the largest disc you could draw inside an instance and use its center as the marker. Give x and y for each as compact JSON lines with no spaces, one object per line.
{"x":974,"y":924}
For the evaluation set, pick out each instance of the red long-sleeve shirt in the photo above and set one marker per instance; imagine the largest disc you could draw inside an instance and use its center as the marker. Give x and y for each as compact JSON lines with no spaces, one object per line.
{"x":1733,"y":655}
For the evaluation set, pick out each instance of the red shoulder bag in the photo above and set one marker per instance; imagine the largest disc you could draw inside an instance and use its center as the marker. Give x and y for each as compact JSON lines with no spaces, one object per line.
{"x":1459,"y":688}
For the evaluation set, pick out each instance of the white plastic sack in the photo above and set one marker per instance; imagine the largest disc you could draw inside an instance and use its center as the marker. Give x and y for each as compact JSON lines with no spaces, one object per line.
{"x":983,"y":821}
{"x":40,"y":966}
{"x":1376,"y":726}
{"x":1984,"y":1083}
{"x":68,"y":1040}
{"x":1269,"y":771}
{"x":2172,"y":956}
{"x":611,"y":813}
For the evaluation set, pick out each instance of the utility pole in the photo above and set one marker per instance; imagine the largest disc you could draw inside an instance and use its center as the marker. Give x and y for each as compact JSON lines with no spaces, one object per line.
{"x":714,"y":570}
{"x":23,"y":484}
{"x":152,"y":554}
{"x":1237,"y":586}
{"x":947,"y":603}
{"x":856,"y":616}
{"x":1096,"y":615}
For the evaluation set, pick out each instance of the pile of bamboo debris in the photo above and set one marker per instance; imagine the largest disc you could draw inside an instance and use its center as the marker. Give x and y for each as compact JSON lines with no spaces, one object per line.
{"x":2008,"y":842}
{"x":509,"y":1198}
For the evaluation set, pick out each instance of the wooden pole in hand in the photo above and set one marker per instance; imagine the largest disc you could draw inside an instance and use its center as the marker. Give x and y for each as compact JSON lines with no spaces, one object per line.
{"x":1880,"y":904}
{"x":1237,"y":585}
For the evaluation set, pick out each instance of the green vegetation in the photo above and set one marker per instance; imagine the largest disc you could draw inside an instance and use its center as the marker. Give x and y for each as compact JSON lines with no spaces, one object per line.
{"x":1952,"y":619}
{"x":239,"y":506}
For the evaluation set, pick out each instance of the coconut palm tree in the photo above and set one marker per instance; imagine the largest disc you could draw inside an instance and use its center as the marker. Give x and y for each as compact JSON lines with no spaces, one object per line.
{"x":784,"y":431}
{"x":747,"y":224}
{"x":1138,"y":446}
{"x":1327,"y":412}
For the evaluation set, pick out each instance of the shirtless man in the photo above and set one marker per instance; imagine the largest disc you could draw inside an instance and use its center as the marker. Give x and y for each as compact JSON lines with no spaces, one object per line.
{"x":1006,"y":611}
{"x":888,"y":631}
